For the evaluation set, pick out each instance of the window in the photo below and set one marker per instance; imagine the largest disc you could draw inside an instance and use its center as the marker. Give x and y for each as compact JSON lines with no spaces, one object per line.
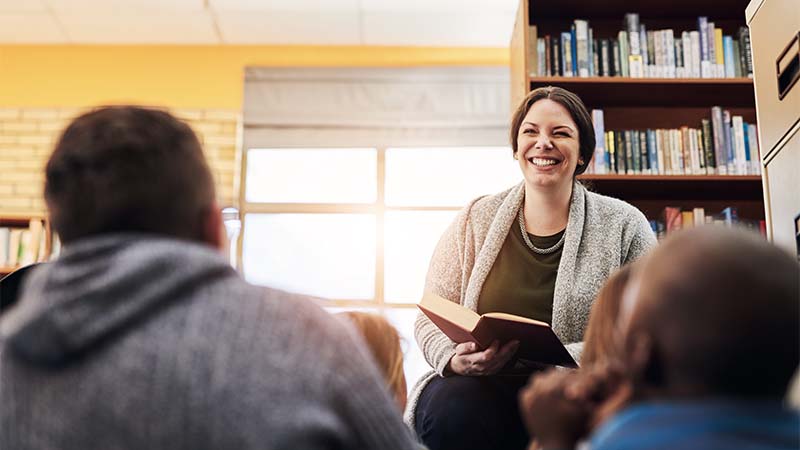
{"x":358,"y":226}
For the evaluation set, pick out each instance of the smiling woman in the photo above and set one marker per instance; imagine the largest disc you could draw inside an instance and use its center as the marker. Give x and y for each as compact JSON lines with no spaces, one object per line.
{"x":541,"y":249}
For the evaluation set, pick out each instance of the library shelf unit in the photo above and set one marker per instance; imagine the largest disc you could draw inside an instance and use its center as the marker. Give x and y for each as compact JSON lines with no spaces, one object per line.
{"x":641,"y":103}
{"x":23,"y":221}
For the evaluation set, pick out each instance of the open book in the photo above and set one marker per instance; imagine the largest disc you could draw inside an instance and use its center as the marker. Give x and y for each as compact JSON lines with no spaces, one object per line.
{"x":538,"y":342}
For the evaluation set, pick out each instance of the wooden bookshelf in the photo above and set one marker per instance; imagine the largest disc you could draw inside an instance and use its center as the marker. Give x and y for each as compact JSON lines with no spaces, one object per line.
{"x":23,"y":221}
{"x":641,"y":103}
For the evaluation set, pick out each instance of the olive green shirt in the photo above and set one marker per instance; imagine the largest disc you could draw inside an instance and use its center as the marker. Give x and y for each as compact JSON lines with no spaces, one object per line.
{"x":522,"y":282}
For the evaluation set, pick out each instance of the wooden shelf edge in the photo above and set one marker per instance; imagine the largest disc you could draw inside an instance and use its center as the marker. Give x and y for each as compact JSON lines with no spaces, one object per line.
{"x":628,"y":80}
{"x":736,"y":178}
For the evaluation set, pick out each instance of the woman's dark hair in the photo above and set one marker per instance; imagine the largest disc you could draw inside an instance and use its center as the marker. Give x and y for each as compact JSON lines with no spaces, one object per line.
{"x":128,"y":169}
{"x":576,"y":109}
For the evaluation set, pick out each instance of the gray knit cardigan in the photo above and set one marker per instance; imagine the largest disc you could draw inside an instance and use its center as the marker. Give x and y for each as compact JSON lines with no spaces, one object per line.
{"x":603,"y":233}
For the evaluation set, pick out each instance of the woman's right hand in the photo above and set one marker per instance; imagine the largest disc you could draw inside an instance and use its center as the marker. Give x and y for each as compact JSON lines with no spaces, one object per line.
{"x":470,"y":360}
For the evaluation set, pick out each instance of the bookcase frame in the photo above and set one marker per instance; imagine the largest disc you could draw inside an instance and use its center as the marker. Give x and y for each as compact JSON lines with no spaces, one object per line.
{"x":22,"y":221}
{"x":640,"y":103}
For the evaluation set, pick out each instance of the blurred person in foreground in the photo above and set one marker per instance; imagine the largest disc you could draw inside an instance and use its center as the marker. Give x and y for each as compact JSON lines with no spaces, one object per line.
{"x":141,"y":335}
{"x":710,"y":333}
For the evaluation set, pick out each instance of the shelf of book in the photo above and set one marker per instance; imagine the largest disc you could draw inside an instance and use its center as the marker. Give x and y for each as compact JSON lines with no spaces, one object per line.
{"x":24,"y":240}
{"x":664,"y":92}
{"x":692,"y":84}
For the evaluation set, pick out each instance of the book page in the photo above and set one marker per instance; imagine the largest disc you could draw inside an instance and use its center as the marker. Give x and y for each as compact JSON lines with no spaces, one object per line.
{"x":453,"y":312}
{"x":513,"y":318}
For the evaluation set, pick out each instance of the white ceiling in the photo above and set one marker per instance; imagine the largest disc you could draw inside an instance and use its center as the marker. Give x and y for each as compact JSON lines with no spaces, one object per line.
{"x":444,"y":23}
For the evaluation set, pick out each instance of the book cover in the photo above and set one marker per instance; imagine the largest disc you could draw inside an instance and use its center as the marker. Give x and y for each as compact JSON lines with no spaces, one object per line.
{"x":537,"y":340}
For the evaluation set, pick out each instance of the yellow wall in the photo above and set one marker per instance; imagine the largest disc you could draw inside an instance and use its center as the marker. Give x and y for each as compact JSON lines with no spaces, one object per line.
{"x":184,"y":76}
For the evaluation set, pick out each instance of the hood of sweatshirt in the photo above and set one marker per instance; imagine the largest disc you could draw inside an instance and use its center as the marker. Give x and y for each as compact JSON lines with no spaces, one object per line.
{"x":100,"y":287}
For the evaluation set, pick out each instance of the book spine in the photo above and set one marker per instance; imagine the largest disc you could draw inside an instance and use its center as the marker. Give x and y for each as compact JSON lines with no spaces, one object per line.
{"x":686,"y":42}
{"x":702,"y":29}
{"x":566,"y":54}
{"x":708,"y":146}
{"x":574,"y":50}
{"x":616,"y":55}
{"x":754,"y":148}
{"x":676,"y":152}
{"x":636,"y":154}
{"x":548,"y":56}
{"x":593,"y":55}
{"x":685,"y":162}
{"x":622,"y":167}
{"x":599,"y":135}
{"x":719,"y":51}
{"x":701,"y":152}
{"x":670,"y":48}
{"x":559,"y":63}
{"x":623,"y":52}
{"x":747,"y":153}
{"x":582,"y":47}
{"x":612,"y":154}
{"x":652,"y":152}
{"x":679,"y":69}
{"x":660,"y":153}
{"x":694,"y":39}
{"x":645,"y":45}
{"x":712,"y":54}
{"x":737,"y":60}
{"x":651,"y":53}
{"x":727,"y":137}
{"x":744,"y":42}
{"x":604,"y":58}
{"x":740,"y":159}
{"x":630,"y":168}
{"x":727,"y":45}
{"x":720,"y":155}
{"x":643,"y":152}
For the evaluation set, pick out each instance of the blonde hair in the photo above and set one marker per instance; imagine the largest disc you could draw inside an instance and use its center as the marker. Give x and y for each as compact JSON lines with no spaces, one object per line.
{"x":383,"y":341}
{"x":600,"y":344}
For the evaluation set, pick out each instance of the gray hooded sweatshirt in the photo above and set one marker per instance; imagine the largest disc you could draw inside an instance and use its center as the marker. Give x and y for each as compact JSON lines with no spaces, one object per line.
{"x":141,"y":342}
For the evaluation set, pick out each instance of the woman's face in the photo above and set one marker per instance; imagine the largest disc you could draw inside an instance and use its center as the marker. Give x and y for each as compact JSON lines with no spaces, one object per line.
{"x":547,"y":145}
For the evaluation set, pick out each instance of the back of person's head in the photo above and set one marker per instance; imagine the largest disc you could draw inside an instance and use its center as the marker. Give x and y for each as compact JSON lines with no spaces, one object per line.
{"x":601,"y":341}
{"x":383,"y":341}
{"x":128,"y":169}
{"x":713,"y":312}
